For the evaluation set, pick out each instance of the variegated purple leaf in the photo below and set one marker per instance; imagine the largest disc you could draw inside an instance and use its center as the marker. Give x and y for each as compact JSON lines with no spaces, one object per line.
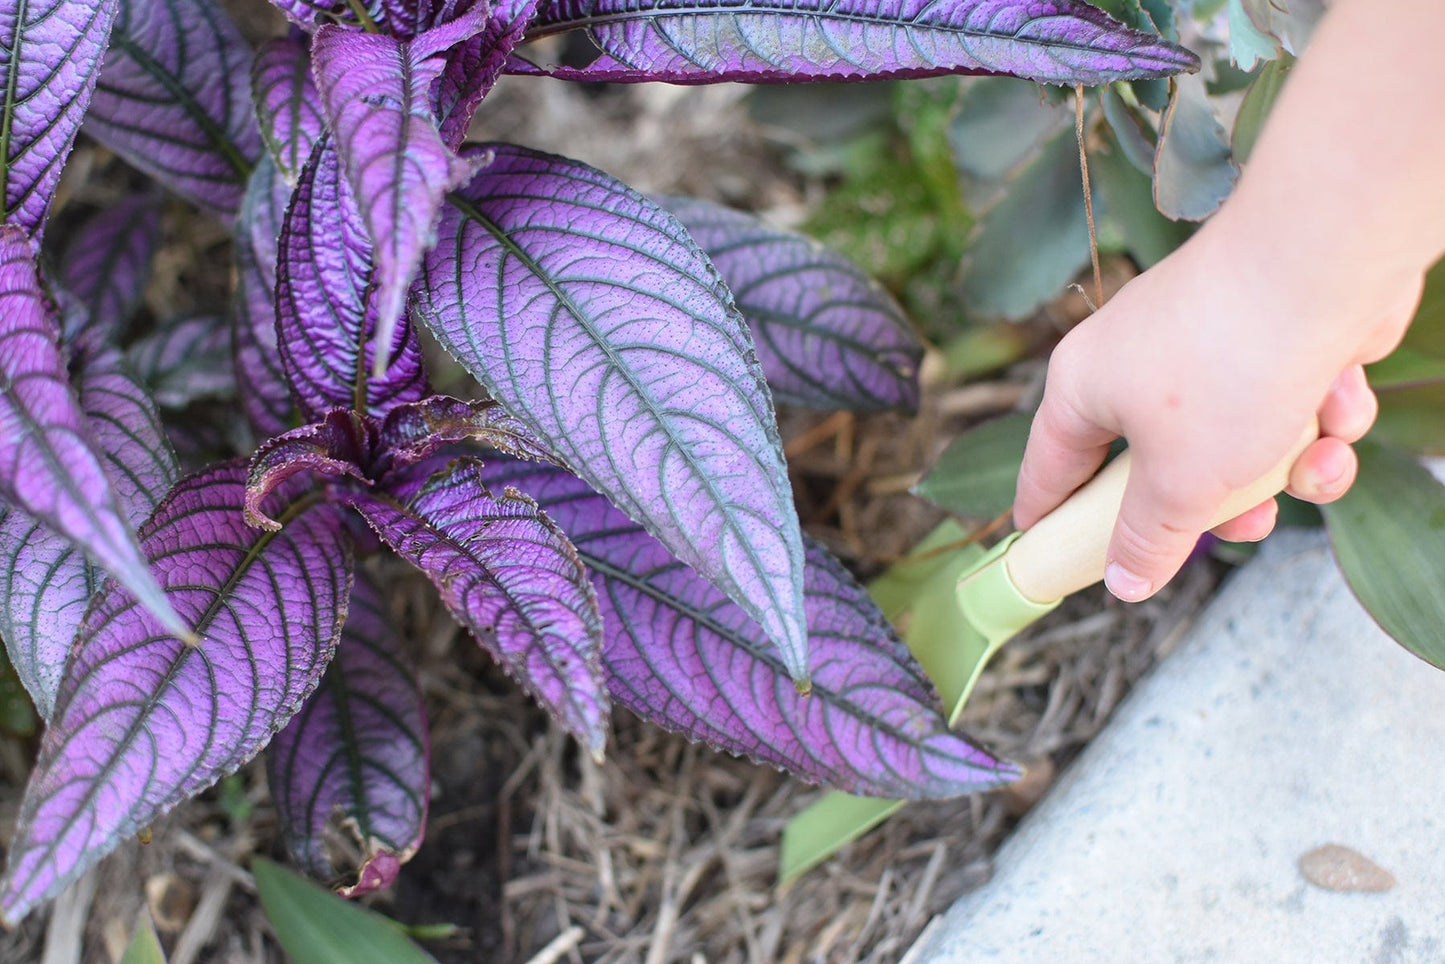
{"x":327,"y":309}
{"x":828,"y":336}
{"x":508,"y":574}
{"x":144,"y":721}
{"x":338,"y":446}
{"x":184,"y":359}
{"x":781,"y":41}
{"x":473,"y":67}
{"x":678,"y":653}
{"x":357,"y":751}
{"x":174,"y":99}
{"x":287,"y":104}
{"x":108,"y":261}
{"x":590,"y":314}
{"x":49,"y":467}
{"x":50,"y":54}
{"x":260,"y":378}
{"x":376,"y":92}
{"x":45,"y":581}
{"x":415,"y":432}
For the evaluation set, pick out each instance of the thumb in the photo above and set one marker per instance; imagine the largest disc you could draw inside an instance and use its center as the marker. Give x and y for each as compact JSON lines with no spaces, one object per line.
{"x":1160,"y":520}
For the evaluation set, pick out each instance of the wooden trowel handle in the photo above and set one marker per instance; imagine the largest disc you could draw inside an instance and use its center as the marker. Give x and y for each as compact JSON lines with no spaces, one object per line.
{"x":1064,"y":551}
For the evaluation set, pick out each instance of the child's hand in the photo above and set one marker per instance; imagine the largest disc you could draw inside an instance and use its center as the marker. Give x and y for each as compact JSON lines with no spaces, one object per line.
{"x":1212,"y":362}
{"x":1211,"y":367}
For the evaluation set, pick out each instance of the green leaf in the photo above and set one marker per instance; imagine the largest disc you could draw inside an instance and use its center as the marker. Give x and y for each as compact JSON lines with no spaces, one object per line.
{"x":1136,"y":137}
{"x":1193,"y":170}
{"x":976,"y":475}
{"x":144,"y":946}
{"x":1389,"y":536}
{"x":1000,"y":123}
{"x":317,"y":927}
{"x":1127,"y":217}
{"x":1248,"y":44}
{"x":1258,"y":102}
{"x":17,"y":713}
{"x":1033,"y":242}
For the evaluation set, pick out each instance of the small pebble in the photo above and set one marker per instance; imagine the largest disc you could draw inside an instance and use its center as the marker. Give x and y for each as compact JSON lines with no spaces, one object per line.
{"x":171,"y":900}
{"x":1337,"y":868}
{"x":1020,"y":797}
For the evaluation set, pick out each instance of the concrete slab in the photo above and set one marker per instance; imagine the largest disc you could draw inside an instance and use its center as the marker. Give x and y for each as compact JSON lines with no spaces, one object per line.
{"x":1286,"y":722}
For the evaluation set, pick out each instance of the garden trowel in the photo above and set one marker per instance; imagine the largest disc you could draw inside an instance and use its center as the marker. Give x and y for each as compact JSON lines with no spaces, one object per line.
{"x":957,"y":608}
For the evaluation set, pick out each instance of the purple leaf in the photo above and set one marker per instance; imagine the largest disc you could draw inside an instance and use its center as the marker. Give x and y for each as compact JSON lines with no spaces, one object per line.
{"x":45,"y":581}
{"x":50,"y":53}
{"x":338,"y":446}
{"x":357,"y":751}
{"x":781,"y":41}
{"x":828,"y":336}
{"x":376,"y":94}
{"x":327,"y":309}
{"x":590,"y":314}
{"x":144,"y":721}
{"x":49,"y":468}
{"x":174,"y":99}
{"x":108,"y":261}
{"x":287,"y":104}
{"x":185,"y":359}
{"x":260,"y":377}
{"x":678,"y":653}
{"x":415,"y":432}
{"x":506,"y":572}
{"x":473,"y":67}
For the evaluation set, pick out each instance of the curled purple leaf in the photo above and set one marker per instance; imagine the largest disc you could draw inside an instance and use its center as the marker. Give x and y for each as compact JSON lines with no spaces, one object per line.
{"x":174,"y":100}
{"x":782,"y":41}
{"x":415,"y":432}
{"x":336,"y":447}
{"x":45,"y":581}
{"x":49,"y":468}
{"x":288,"y":106}
{"x":508,"y":574}
{"x":679,"y":654}
{"x":376,"y":92}
{"x":144,"y":721}
{"x":828,"y":336}
{"x":327,"y":310}
{"x":108,"y":261}
{"x":358,"y":752}
{"x":50,"y":54}
{"x":185,"y":359}
{"x":261,"y":382}
{"x":590,"y":314}
{"x":474,"y":65}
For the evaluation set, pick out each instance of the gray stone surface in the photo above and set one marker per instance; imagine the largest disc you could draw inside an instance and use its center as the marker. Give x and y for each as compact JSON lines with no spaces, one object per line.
{"x":1286,"y":721}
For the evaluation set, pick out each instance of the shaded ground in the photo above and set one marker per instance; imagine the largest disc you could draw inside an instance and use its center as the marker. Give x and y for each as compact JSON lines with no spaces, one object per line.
{"x":667,"y":852}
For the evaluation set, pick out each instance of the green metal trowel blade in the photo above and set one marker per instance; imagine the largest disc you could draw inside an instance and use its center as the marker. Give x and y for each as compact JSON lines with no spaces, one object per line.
{"x":928,"y":600}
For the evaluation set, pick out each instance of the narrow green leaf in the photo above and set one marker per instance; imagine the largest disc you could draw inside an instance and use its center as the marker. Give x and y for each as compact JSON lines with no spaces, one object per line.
{"x":144,"y":946}
{"x":976,"y":475}
{"x":317,"y":927}
{"x":1388,"y":533}
{"x":1258,"y":102}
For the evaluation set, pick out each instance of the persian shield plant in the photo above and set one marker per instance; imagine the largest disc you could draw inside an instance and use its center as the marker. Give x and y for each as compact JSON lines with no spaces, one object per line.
{"x":612,"y":520}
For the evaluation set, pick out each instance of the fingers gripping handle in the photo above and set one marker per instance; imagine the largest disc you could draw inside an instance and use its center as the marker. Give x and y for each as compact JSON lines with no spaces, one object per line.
{"x":1064,"y":551}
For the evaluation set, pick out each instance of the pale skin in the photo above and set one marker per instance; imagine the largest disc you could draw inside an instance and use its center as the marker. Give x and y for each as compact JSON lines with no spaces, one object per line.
{"x":1212,"y":363}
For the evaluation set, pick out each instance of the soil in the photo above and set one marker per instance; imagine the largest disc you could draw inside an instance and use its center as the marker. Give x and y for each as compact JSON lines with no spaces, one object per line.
{"x":667,"y":852}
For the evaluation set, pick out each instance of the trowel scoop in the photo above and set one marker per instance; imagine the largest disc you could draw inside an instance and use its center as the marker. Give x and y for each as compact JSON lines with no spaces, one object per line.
{"x":956,"y":611}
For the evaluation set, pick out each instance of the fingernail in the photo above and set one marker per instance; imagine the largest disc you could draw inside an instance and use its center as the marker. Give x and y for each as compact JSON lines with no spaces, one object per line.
{"x":1124,"y":584}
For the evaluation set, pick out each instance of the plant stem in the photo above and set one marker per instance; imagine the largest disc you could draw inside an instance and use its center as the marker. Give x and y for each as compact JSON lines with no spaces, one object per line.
{"x":1088,"y":197}
{"x":358,"y":7}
